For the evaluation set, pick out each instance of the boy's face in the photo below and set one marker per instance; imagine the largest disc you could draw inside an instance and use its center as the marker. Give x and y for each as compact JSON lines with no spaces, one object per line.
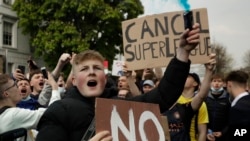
{"x":122,"y":82}
{"x":147,"y":88}
{"x":11,"y":92}
{"x":89,"y":78}
{"x":217,"y":83}
{"x":24,"y":88}
{"x":60,"y":82}
{"x":190,"y":82}
{"x":37,"y":82}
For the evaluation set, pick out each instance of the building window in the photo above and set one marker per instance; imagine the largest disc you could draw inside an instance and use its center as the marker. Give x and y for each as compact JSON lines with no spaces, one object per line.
{"x":7,"y":33}
{"x":10,"y":68}
{"x":7,"y":2}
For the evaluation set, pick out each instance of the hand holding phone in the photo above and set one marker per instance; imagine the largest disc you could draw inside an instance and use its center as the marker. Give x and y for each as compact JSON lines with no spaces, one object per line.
{"x":188,"y":20}
{"x":44,"y":71}
{"x":21,"y":68}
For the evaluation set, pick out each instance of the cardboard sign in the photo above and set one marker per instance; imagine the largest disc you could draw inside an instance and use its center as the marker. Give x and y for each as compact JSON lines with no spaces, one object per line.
{"x":117,"y":68}
{"x":151,"y":41}
{"x":130,"y":121}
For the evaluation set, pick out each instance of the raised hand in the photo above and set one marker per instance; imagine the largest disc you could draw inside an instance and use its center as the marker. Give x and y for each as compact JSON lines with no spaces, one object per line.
{"x":190,"y":39}
{"x":102,"y":136}
{"x":125,"y":70}
{"x":64,"y":58}
{"x":18,"y":75}
{"x":210,"y":65}
{"x":51,"y":81}
{"x":72,"y":57}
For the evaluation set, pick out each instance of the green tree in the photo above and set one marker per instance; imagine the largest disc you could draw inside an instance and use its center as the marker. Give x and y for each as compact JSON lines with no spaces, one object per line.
{"x":57,"y":26}
{"x":246,"y":59}
{"x":224,"y":60}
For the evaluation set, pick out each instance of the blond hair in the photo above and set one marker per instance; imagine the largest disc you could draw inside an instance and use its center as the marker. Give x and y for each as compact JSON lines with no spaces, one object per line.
{"x":87,"y":55}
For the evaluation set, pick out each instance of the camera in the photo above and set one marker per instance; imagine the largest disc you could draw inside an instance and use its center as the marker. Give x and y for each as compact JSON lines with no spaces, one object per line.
{"x":188,"y":20}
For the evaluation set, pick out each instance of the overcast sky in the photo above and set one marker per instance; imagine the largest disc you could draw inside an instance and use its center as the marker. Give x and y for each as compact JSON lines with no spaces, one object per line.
{"x":229,"y":21}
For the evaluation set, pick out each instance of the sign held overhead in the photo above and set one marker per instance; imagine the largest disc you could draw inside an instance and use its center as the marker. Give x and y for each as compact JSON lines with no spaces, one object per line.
{"x":151,"y":41}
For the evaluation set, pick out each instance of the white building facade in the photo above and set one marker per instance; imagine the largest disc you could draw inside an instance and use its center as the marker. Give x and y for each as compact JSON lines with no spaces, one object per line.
{"x":14,"y":46}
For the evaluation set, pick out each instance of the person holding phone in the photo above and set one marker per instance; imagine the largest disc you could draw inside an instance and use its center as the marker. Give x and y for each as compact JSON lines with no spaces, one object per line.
{"x":17,"y":74}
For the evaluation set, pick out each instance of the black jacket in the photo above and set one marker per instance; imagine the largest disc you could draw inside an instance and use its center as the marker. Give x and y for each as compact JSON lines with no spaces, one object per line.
{"x":218,"y":112}
{"x":68,"y":119}
{"x":240,"y":119}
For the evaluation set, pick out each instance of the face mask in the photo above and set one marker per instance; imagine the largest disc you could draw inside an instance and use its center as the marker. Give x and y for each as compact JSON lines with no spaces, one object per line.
{"x":217,"y":90}
{"x":61,"y":90}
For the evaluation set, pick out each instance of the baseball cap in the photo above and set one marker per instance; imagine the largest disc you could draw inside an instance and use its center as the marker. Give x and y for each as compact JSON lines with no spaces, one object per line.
{"x":149,"y":82}
{"x":196,"y":79}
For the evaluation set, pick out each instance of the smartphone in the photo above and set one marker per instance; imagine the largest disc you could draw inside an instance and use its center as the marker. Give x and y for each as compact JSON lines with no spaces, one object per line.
{"x":188,"y":20}
{"x":44,"y":71}
{"x":21,"y":68}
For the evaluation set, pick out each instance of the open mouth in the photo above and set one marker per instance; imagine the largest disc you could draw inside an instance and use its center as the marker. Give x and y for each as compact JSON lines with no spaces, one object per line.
{"x":41,"y":84}
{"x":60,"y":85}
{"x":23,"y":90}
{"x":92,"y":83}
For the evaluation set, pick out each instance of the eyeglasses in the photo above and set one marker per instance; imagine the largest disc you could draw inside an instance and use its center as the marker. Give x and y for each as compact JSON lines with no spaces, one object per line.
{"x":15,"y":84}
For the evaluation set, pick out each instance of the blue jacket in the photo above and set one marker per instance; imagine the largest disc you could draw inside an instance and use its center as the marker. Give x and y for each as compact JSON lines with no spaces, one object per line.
{"x":29,"y":103}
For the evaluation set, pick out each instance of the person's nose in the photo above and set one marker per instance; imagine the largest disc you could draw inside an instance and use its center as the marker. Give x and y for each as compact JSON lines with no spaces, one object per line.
{"x":91,"y":70}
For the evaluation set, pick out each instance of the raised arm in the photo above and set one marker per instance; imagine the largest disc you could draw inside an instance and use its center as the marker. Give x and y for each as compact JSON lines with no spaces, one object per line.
{"x":131,"y":81}
{"x":69,"y":79}
{"x":63,"y":60}
{"x":55,"y":95}
{"x":173,"y":81}
{"x":45,"y":95}
{"x":205,"y":85}
{"x":50,"y":92}
{"x":158,"y":73}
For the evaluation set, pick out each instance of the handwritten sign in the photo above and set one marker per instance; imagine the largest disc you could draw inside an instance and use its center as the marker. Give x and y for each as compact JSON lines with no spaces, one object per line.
{"x":151,"y":41}
{"x":117,"y":68}
{"x":130,"y":121}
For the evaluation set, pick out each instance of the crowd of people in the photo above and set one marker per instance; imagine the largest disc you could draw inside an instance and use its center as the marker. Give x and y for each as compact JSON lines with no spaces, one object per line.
{"x":62,"y":109}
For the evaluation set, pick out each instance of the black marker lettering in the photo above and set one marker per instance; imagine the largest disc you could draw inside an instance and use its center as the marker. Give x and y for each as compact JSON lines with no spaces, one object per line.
{"x":129,"y":40}
{"x":145,"y":28}
{"x":130,"y":53}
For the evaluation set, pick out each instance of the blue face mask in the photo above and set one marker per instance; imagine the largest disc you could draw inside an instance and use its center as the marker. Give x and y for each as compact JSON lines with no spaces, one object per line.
{"x":217,"y":90}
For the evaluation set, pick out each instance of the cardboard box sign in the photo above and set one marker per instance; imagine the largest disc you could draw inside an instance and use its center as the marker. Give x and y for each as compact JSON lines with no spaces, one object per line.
{"x":151,"y":41}
{"x":131,"y":121}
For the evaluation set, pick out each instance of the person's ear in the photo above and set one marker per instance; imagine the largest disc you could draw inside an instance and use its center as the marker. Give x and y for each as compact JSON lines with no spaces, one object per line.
{"x":195,"y":84}
{"x":5,"y":94}
{"x":229,"y":84}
